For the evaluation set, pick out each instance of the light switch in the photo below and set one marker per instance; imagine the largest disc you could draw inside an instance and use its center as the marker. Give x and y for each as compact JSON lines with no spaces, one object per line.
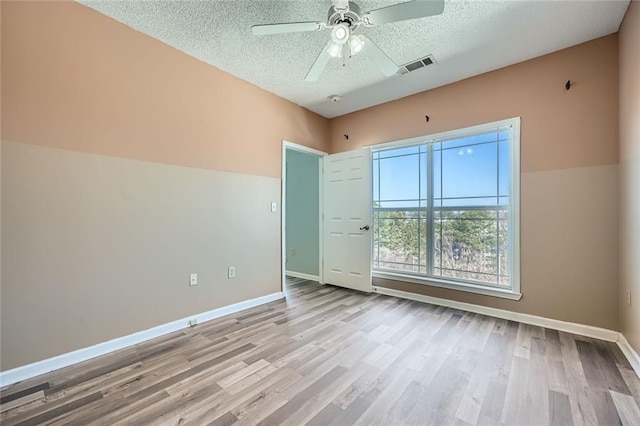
{"x":274,"y":207}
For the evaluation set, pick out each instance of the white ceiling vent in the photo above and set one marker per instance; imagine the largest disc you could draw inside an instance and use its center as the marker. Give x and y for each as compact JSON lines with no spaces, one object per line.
{"x":417,"y":64}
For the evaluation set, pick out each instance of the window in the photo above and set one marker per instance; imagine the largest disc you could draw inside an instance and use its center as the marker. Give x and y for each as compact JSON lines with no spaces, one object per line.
{"x":445,"y":209}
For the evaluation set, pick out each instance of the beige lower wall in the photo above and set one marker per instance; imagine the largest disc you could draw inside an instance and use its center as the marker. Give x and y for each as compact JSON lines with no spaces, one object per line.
{"x":630,"y":251}
{"x":97,"y":247}
{"x":629,"y":66}
{"x":569,"y":249}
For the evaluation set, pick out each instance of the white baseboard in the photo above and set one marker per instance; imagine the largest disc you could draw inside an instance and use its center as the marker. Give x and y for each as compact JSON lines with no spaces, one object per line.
{"x":630,"y":353}
{"x":41,"y":367}
{"x":302,"y":276}
{"x":569,"y":327}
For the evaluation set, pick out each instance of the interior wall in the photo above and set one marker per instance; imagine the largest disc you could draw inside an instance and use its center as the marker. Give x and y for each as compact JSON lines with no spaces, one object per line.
{"x":629,"y":55}
{"x":303,"y":213}
{"x":78,"y":80}
{"x":569,"y":180}
{"x":126,"y":166}
{"x":97,"y":247}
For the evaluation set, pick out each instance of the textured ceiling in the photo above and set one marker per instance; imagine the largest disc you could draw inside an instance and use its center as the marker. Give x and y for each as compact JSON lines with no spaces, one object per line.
{"x":469,"y":38}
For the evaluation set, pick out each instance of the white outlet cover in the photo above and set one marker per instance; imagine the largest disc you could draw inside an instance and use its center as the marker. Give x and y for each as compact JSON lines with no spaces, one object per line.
{"x":193,"y":279}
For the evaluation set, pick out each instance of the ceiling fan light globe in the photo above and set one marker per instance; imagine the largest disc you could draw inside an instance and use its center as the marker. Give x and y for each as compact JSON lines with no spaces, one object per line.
{"x":355,"y":44}
{"x":335,"y":50}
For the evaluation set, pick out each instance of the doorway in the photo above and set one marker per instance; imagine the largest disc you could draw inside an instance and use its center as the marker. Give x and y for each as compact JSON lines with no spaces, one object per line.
{"x":301,"y":212}
{"x":326,"y":216}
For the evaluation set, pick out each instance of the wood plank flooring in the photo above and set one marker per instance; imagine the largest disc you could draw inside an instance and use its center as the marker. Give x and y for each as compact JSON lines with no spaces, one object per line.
{"x":330,"y":356}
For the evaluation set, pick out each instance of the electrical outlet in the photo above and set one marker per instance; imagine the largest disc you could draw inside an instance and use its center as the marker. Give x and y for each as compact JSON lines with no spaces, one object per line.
{"x":231,"y":272}
{"x":193,"y":322}
{"x":193,"y":279}
{"x":628,"y":297}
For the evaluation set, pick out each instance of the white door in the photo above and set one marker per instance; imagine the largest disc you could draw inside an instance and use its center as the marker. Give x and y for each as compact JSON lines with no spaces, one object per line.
{"x":347,"y":219}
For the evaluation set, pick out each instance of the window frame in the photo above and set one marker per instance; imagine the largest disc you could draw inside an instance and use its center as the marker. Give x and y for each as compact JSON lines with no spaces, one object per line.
{"x":513,"y":247}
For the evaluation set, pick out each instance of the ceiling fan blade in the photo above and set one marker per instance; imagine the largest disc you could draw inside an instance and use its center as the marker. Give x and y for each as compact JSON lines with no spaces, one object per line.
{"x":318,"y":66}
{"x":404,"y":11}
{"x":291,"y":27}
{"x":378,"y":57}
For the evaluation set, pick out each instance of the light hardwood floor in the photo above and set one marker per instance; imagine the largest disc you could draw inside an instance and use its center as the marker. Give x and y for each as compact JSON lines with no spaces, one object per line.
{"x":332,"y":356}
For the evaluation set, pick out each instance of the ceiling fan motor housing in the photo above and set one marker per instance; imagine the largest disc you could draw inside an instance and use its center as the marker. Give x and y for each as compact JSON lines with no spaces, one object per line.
{"x":351,"y":17}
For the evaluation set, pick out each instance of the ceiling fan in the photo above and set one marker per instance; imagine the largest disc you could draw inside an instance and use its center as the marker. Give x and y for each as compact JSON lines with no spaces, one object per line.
{"x":344,"y":18}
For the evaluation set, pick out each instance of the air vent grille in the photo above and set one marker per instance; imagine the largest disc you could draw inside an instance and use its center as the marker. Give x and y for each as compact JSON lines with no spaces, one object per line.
{"x":414,"y":66}
{"x":417,"y":64}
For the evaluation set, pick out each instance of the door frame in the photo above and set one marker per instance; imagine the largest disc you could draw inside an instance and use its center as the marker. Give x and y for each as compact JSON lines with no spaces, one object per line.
{"x":283,"y":204}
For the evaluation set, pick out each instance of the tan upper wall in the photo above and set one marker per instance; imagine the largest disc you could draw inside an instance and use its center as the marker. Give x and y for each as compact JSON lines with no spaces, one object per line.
{"x":630,"y":174}
{"x":629,"y":51}
{"x":78,"y":80}
{"x":559,"y":129}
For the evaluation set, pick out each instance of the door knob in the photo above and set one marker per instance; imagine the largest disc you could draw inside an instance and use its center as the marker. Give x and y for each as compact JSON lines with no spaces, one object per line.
{"x":365,"y":228}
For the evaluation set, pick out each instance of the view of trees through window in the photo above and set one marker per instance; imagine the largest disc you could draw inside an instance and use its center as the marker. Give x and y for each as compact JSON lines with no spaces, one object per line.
{"x":441,"y":209}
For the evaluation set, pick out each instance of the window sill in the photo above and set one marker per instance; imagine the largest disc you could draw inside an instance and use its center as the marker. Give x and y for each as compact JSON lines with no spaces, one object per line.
{"x":451,"y":285}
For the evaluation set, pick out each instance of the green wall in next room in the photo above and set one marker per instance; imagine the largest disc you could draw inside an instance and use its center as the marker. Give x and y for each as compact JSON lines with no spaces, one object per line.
{"x":302,"y":213}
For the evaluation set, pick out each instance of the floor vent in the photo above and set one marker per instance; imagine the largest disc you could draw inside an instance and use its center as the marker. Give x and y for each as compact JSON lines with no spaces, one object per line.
{"x":417,"y":64}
